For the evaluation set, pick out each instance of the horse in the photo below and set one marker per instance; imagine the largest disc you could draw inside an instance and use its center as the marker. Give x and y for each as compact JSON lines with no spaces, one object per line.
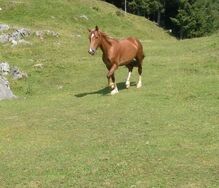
{"x":127,"y":52}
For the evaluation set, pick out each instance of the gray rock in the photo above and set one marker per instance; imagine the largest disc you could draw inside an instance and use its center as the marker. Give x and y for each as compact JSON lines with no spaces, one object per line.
{"x":5,"y":91}
{"x":4,"y":27}
{"x":4,"y":68}
{"x":17,"y":74}
{"x":14,"y":42}
{"x":24,"y":42}
{"x":19,"y":34}
{"x":38,"y":66}
{"x":42,"y":34}
{"x":15,"y":37}
{"x":4,"y":38}
{"x":84,"y":17}
{"x":52,"y":33}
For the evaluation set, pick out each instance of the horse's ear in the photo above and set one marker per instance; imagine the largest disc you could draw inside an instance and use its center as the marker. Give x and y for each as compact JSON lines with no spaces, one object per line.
{"x":89,"y":30}
{"x":96,"y":28}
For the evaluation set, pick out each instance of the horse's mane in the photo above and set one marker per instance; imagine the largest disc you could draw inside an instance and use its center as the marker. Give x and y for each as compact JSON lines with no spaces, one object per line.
{"x":107,"y":37}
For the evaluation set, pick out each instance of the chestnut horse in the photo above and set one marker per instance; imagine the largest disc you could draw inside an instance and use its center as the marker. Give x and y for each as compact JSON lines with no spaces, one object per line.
{"x":128,"y":52}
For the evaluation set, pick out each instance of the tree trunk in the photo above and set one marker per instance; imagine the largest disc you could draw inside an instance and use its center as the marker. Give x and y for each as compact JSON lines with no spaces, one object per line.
{"x":181,"y":33}
{"x":158,"y":17}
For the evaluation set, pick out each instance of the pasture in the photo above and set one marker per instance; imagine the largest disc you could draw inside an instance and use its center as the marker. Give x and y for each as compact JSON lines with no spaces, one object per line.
{"x":65,"y":130}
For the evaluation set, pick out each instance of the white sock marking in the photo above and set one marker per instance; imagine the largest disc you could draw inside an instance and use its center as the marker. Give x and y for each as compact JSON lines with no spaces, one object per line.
{"x":114,"y":91}
{"x":127,"y":83}
{"x":139,"y":82}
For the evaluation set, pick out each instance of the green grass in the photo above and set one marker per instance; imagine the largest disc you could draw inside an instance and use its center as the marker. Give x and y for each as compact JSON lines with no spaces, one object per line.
{"x":65,"y":130}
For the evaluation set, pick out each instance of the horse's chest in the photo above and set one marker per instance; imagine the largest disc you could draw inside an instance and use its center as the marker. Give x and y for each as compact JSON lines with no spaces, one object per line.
{"x":108,"y":60}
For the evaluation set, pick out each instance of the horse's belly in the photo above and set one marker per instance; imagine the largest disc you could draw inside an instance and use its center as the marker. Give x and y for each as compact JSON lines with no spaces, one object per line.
{"x":127,"y":60}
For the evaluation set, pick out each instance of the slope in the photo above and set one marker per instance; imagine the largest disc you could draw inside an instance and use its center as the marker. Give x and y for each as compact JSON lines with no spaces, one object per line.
{"x":66,"y":131}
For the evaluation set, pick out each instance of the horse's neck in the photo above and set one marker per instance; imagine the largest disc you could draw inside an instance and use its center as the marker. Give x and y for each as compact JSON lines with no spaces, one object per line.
{"x":106,"y":44}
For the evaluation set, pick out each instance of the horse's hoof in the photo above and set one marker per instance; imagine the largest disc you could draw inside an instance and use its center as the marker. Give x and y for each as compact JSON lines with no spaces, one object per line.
{"x":127,"y":84}
{"x":114,"y":91}
{"x":112,"y":86}
{"x":139,"y":85}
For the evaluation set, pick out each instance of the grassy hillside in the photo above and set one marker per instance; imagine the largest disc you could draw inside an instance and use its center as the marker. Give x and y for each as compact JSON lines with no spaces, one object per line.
{"x":65,"y":16}
{"x":65,"y":130}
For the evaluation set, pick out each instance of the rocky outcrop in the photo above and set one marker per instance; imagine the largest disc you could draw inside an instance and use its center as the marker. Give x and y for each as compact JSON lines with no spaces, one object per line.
{"x":5,"y":91}
{"x":43,"y":33}
{"x":5,"y":72}
{"x":18,"y":36}
{"x":13,"y":37}
{"x":4,"y":27}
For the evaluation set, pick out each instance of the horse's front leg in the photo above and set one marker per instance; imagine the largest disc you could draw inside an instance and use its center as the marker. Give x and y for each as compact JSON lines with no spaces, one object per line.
{"x":111,"y":76}
{"x":110,"y":82}
{"x":127,"y":83}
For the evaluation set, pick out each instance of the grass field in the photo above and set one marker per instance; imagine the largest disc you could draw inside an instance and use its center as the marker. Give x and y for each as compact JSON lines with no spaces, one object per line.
{"x":65,"y":130}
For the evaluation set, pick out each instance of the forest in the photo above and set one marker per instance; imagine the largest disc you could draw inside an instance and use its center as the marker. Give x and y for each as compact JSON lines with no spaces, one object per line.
{"x":183,"y":18}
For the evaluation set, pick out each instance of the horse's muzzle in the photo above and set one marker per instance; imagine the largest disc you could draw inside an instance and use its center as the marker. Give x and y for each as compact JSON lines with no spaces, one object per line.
{"x":91,"y":51}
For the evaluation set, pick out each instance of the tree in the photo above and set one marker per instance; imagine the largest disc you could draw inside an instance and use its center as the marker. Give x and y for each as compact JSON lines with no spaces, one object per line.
{"x":183,"y":19}
{"x":151,"y":9}
{"x":186,"y":18}
{"x":194,"y":19}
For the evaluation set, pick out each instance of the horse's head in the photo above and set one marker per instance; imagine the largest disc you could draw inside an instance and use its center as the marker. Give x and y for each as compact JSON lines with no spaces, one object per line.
{"x":95,"y":40}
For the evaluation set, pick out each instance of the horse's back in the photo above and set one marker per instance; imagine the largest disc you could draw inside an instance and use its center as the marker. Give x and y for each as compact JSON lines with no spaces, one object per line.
{"x":134,"y":42}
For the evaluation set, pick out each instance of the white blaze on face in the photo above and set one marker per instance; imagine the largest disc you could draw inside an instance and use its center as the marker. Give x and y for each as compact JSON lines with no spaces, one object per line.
{"x":92,"y":36}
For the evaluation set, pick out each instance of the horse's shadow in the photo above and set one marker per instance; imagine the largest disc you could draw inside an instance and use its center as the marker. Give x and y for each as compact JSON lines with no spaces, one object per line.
{"x":104,"y":91}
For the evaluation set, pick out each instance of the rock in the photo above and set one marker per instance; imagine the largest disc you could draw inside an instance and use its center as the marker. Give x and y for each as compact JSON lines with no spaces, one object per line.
{"x":4,"y":38}
{"x":15,"y":37}
{"x":4,"y":27}
{"x":84,"y":17}
{"x":39,"y":34}
{"x":52,"y":33}
{"x":5,"y":91}
{"x":17,"y":74}
{"x":14,"y":42}
{"x":42,"y":34}
{"x":19,"y":34}
{"x":39,"y":65}
{"x":14,"y":72}
{"x":24,"y":42}
{"x":4,"y":68}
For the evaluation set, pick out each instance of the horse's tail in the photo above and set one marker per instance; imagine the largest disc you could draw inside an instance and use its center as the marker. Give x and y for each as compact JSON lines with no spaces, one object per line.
{"x":140,"y":52}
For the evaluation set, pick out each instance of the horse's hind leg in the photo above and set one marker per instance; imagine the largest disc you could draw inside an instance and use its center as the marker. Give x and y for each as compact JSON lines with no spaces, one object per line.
{"x":139,"y":84}
{"x":140,"y":56}
{"x":127,"y":83}
{"x":140,"y":60}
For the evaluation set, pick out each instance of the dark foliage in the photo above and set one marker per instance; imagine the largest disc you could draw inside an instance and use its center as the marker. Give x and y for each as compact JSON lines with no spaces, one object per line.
{"x":185,"y":18}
